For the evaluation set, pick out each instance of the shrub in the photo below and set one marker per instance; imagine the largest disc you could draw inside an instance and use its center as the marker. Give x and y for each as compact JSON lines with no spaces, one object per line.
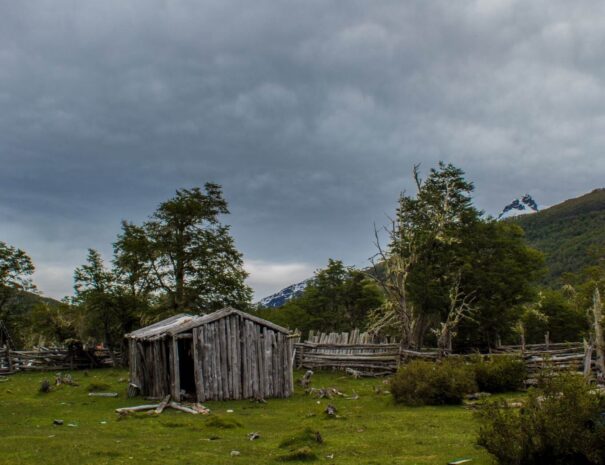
{"x":306,"y":437}
{"x":299,"y":455}
{"x":300,"y":446}
{"x":561,"y":423}
{"x":98,"y":387}
{"x":430,"y":383}
{"x":500,"y":374}
{"x":216,"y":421}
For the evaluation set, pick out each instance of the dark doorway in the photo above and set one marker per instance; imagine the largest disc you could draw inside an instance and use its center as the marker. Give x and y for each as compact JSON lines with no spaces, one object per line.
{"x":186,"y":368}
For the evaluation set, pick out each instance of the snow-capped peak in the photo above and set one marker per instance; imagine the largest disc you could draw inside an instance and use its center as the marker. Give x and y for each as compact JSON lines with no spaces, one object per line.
{"x":520,"y":206}
{"x":281,"y":297}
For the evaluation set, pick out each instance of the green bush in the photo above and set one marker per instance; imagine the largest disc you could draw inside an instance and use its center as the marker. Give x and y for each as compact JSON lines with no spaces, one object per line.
{"x":217,"y":421}
{"x":500,"y":374}
{"x":430,"y":383}
{"x":562,"y":423}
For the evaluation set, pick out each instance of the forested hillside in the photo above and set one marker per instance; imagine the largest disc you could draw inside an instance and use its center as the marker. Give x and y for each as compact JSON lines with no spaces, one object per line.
{"x":571,"y":234}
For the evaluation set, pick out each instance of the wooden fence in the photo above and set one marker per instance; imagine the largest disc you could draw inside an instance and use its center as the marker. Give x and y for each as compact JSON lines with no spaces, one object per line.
{"x":43,"y":359}
{"x":363,"y":353}
{"x":354,"y":350}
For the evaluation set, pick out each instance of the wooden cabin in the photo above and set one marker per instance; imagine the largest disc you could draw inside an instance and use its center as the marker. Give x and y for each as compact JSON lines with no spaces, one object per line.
{"x":228,"y":354}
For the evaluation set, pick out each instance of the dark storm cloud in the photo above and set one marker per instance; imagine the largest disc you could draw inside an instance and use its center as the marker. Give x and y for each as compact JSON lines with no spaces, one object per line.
{"x":310,"y":114}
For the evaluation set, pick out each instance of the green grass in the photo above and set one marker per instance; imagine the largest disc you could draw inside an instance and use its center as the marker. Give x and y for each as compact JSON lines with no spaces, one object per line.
{"x":369,"y":430}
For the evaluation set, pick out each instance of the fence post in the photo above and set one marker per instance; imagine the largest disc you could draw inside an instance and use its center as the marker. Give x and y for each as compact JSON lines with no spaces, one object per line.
{"x":8,"y":359}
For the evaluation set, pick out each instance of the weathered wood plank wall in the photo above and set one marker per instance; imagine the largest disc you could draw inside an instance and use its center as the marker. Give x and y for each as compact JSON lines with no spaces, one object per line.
{"x":235,"y":358}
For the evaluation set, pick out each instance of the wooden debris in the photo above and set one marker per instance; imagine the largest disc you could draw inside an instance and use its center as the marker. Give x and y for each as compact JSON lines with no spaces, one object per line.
{"x":201,"y":409}
{"x":64,"y":379}
{"x":459,"y":461}
{"x":137,"y":408}
{"x":253,"y":436}
{"x":324,"y":393}
{"x":330,"y":411}
{"x":160,"y":408}
{"x":102,"y":394}
{"x":477,"y":396}
{"x":133,"y":390}
{"x":182,"y":408}
{"x":306,"y":379}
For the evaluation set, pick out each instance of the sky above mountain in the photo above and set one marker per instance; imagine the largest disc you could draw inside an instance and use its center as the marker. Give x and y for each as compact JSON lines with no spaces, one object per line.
{"x":310,"y":114}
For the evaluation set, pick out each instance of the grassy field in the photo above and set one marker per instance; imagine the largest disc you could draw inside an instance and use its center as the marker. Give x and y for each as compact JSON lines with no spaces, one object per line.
{"x":369,"y":430}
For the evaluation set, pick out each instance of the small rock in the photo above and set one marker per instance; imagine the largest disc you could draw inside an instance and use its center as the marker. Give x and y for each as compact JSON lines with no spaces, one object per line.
{"x":58,"y":422}
{"x":235,"y":453}
{"x":330,"y":411}
{"x":45,"y":386}
{"x":229,"y":411}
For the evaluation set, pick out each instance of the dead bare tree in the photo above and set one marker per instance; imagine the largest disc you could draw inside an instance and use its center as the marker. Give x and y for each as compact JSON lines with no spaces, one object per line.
{"x":460,"y":309}
{"x":391,"y":271}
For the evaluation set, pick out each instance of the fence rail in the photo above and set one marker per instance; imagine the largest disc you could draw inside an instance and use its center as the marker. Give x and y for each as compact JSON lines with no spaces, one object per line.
{"x":12,"y":361}
{"x":364,"y":353}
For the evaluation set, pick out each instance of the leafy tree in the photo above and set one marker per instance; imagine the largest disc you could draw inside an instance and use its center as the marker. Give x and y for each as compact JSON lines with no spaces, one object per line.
{"x":184,"y":254}
{"x":338,"y":298}
{"x":449,"y":269}
{"x":16,"y":268}
{"x":560,"y":317}
{"x":501,"y":270}
{"x":53,"y":324}
{"x":108,"y":310}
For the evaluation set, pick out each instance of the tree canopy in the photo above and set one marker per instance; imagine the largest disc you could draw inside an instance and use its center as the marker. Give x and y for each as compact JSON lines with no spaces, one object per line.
{"x":448,"y":269}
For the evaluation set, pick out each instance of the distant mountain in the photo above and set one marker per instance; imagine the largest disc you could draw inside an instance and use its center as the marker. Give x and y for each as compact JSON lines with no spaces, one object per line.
{"x":281,"y":297}
{"x":525,"y":204}
{"x":566,"y":233}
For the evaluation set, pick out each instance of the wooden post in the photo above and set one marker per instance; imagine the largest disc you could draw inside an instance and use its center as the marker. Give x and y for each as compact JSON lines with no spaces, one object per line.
{"x":597,"y":309}
{"x":176,"y":380}
{"x":8,"y":359}
{"x":588,"y":347}
{"x":547,"y":340}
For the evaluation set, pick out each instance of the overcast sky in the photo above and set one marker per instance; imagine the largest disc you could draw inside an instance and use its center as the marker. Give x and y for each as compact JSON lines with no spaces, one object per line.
{"x":310,"y":113}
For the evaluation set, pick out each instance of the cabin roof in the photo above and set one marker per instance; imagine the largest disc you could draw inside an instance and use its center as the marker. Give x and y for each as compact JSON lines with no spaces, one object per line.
{"x":161,"y":327}
{"x":184,"y":322}
{"x":225,"y":312}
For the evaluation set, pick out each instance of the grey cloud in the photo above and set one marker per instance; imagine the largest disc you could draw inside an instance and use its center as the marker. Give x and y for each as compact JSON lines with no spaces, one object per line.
{"x":310,"y":114}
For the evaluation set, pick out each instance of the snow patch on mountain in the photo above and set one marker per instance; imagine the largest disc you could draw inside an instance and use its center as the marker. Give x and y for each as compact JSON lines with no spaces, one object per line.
{"x":519,"y":206}
{"x":280,"y":298}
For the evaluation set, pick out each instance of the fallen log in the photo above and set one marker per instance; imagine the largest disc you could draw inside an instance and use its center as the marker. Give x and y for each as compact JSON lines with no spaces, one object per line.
{"x":182,"y":408}
{"x":160,"y":408}
{"x":137,"y":408}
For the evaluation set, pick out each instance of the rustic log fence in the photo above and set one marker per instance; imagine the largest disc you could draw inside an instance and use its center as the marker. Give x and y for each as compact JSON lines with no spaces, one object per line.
{"x":371,"y":356}
{"x":53,"y":359}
